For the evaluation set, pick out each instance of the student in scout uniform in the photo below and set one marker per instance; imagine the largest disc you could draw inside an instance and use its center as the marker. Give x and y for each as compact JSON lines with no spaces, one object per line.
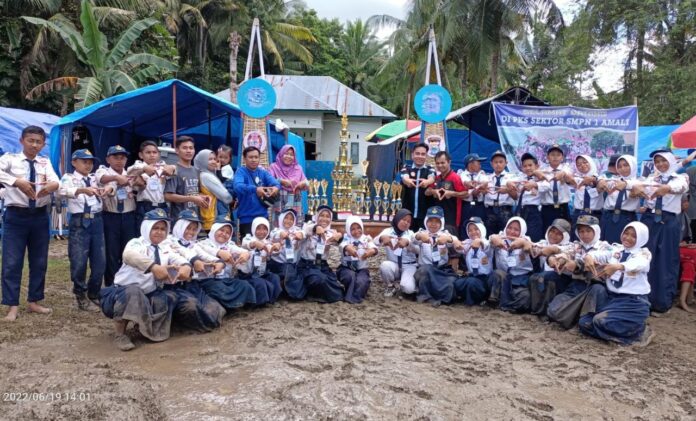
{"x":289,"y":236}
{"x":149,"y":176}
{"x":416,"y":178}
{"x":86,"y":228}
{"x":509,"y":282}
{"x":526,"y":191}
{"x":29,"y":181}
{"x":586,"y":293}
{"x":136,"y":295}
{"x":663,"y":206}
{"x":315,"y":279}
{"x":588,"y":200}
{"x":557,"y":177}
{"x":265,"y":283}
{"x":476,"y":182}
{"x":623,"y":317}
{"x":472,"y":288}
{"x":182,"y":190}
{"x":353,"y":272}
{"x":227,"y":289}
{"x":448,"y":190}
{"x":545,"y":285}
{"x":620,"y":203}
{"x":497,"y":200}
{"x":401,"y":256}
{"x":193,"y":308}
{"x":435,"y":277}
{"x":118,"y":210}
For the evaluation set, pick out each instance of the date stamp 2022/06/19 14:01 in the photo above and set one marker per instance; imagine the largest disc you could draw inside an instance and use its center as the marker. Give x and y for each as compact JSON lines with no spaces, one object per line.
{"x":66,"y":396}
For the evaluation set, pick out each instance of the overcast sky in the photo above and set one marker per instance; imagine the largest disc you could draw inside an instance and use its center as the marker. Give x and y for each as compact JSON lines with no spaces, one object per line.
{"x":608,"y":70}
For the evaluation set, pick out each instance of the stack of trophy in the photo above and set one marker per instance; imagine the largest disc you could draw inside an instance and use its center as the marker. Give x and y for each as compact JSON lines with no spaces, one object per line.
{"x":342,"y":176}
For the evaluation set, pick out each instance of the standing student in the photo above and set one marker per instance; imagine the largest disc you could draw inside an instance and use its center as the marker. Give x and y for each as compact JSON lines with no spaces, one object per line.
{"x":662,"y":219}
{"x":415,"y":179}
{"x":29,"y":181}
{"x":86,"y":229}
{"x":476,"y":182}
{"x":526,"y":190}
{"x":255,"y":187}
{"x":557,"y":177}
{"x":149,"y":174}
{"x":497,"y":200}
{"x":448,"y":190}
{"x":620,"y":203}
{"x":118,"y":210}
{"x":182,"y":190}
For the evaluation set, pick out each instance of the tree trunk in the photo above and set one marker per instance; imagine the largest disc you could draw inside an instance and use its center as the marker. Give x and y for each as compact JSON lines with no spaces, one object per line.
{"x":495,"y":61}
{"x":235,"y":40}
{"x":640,"y":53}
{"x":463,"y":76}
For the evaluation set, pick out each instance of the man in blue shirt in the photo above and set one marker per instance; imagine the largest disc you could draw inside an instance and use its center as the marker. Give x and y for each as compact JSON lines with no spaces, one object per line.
{"x":253,"y":185}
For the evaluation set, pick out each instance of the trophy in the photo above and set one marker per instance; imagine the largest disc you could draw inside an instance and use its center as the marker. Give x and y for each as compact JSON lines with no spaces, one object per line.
{"x":364,"y":164}
{"x":363,"y":194}
{"x":394,"y":196}
{"x":377,"y":199}
{"x":324,"y":197}
{"x":316,"y":185}
{"x":396,"y":193}
{"x":385,"y":200}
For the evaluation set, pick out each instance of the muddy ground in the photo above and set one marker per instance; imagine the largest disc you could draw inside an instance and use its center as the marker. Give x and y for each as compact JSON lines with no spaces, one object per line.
{"x":384,"y":359}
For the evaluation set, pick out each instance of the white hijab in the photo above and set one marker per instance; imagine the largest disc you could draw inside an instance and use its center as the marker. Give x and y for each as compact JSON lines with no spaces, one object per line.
{"x":593,"y":166}
{"x":146,"y":227}
{"x":523,"y":226}
{"x":349,"y":223}
{"x":673,"y":166}
{"x":180,"y":228}
{"x":215,"y":228}
{"x":642,"y":234}
{"x":259,"y":220}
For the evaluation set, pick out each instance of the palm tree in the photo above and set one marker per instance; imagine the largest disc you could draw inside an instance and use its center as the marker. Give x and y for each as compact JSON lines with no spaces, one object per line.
{"x":110,"y":71}
{"x":363,"y":52}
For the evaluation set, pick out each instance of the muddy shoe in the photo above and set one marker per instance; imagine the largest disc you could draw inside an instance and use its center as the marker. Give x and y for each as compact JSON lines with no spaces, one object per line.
{"x":645,"y":338}
{"x":435,"y":303}
{"x":123,"y":343}
{"x":389,"y":291}
{"x":96,"y":301}
{"x":84,"y":304}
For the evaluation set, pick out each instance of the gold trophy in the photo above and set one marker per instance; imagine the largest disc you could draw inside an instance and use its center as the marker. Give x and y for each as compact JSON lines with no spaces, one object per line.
{"x":377,"y":199}
{"x":392,"y":203}
{"x":364,"y":193}
{"x":316,"y":185}
{"x":310,"y":197}
{"x":385,"y":200}
{"x":324,"y":197}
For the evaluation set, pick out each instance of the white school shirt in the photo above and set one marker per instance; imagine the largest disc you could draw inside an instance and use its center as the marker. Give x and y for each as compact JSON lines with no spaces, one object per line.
{"x":250,"y":265}
{"x":138,"y":256}
{"x":530,"y":198}
{"x":191,"y":252}
{"x":596,"y":198}
{"x":503,"y":199}
{"x":364,"y":243}
{"x":152,"y":191}
{"x":212,"y":248}
{"x":565,"y":249}
{"x":282,"y":257}
{"x":523,"y":260}
{"x":409,"y":254}
{"x":468,"y":177}
{"x":76,"y":203}
{"x":14,"y":166}
{"x":635,"y":275}
{"x":308,"y":247}
{"x":426,"y":250}
{"x":119,"y":193}
{"x":563,"y":188}
{"x":580,"y":250}
{"x":484,"y":256}
{"x":671,"y":202}
{"x":630,"y":204}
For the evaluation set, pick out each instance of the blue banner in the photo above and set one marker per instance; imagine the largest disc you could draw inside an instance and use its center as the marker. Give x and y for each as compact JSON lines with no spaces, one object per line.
{"x":598,"y":133}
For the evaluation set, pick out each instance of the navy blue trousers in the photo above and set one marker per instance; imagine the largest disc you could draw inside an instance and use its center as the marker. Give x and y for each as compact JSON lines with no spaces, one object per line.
{"x":511,"y":290}
{"x":496,"y":218}
{"x":355,"y":282}
{"x":544,"y":287}
{"x":621,"y":319}
{"x":611,"y":230}
{"x":86,"y":244}
{"x":535,"y":225}
{"x":119,"y":229}
{"x":664,"y":266}
{"x":472,"y":289}
{"x":24,"y":230}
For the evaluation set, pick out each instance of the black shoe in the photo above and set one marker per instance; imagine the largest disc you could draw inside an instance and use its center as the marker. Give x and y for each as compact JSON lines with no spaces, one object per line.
{"x":96,"y":301}
{"x":84,"y":304}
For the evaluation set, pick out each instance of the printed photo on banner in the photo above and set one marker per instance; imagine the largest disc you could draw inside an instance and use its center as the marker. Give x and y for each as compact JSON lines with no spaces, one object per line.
{"x":599,"y":133}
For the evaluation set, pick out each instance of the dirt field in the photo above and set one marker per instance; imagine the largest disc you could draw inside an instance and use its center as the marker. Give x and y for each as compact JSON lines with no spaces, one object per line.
{"x":384,"y":359}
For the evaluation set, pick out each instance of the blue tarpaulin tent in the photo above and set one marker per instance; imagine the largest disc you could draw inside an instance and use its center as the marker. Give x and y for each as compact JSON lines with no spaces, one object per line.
{"x":149,"y":113}
{"x":13,"y":121}
{"x":654,"y":137}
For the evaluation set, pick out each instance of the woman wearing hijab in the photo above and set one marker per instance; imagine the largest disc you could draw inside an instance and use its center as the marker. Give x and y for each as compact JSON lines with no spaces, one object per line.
{"x":398,"y":268}
{"x":663,"y":194}
{"x":207,"y":164}
{"x":473,"y":287}
{"x":355,"y":248}
{"x":587,"y":201}
{"x":265,"y":283}
{"x":292,"y":182}
{"x":620,"y":203}
{"x":625,"y":267}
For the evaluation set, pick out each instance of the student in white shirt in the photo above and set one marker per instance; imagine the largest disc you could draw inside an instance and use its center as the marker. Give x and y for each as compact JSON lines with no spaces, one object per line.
{"x":473,"y":287}
{"x":557,"y":177}
{"x":353,"y":273}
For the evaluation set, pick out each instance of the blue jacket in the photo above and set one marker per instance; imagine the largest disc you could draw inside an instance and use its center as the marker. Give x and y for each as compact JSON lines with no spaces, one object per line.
{"x":245,"y":189}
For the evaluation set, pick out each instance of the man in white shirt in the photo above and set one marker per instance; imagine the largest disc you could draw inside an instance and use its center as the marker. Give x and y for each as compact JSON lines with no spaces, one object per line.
{"x":29,"y":180}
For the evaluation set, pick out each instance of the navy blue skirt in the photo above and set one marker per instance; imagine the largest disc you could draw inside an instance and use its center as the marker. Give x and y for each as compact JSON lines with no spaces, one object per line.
{"x":319,"y":283}
{"x":472,"y":289}
{"x":231,"y":293}
{"x":356,"y":283}
{"x":152,"y":312}
{"x":435,"y":284}
{"x":266,"y":286}
{"x":193,"y":308}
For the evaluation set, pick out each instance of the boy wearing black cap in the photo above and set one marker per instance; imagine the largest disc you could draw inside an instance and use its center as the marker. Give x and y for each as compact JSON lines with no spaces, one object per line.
{"x":119,"y":209}
{"x":558,"y":176}
{"x":476,"y":182}
{"x":416,"y":178}
{"x":497,"y":200}
{"x":86,"y":228}
{"x":526,"y":192}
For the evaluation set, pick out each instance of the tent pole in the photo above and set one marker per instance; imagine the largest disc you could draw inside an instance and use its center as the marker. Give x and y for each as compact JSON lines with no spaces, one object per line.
{"x":174,"y":113}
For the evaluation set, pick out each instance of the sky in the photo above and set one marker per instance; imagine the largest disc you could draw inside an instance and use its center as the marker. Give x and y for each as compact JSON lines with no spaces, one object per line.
{"x":609,"y":66}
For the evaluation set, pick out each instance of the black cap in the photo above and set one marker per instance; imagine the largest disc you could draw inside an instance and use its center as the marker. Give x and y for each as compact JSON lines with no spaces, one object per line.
{"x":556,"y":147}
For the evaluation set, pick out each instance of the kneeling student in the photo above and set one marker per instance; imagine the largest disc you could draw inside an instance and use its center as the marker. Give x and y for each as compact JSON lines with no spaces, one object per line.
{"x":544,"y":286}
{"x":473,"y":287}
{"x":398,"y":268}
{"x":355,"y":248}
{"x":509,"y":283}
{"x":266,"y":284}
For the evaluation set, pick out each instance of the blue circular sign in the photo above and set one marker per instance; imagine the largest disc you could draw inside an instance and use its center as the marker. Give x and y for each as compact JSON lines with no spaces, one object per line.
{"x":432,"y":103}
{"x":256,"y":98}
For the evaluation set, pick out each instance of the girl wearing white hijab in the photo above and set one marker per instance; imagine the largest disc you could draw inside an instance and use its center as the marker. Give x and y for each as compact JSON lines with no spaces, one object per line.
{"x":620,"y":204}
{"x":663,"y":207}
{"x":587,"y":199}
{"x":473,"y":287}
{"x":136,"y":295}
{"x":625,"y":267}
{"x":355,"y":248}
{"x":266,"y":284}
{"x":288,"y":237}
